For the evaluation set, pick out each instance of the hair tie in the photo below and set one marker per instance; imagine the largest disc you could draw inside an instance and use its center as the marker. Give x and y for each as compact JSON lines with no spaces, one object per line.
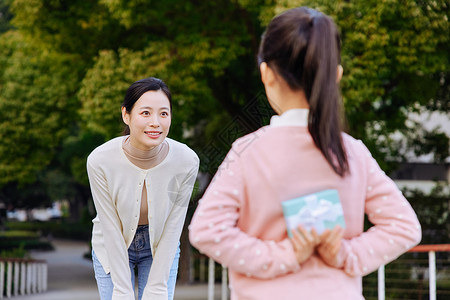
{"x":314,"y":14}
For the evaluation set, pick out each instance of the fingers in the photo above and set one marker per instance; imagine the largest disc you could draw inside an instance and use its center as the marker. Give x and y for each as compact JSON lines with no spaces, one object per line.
{"x":330,"y":245}
{"x":315,"y":237}
{"x":302,"y":237}
{"x":324,"y":236}
{"x":298,"y":239}
{"x":331,"y":240}
{"x":304,"y":243}
{"x":327,"y":244}
{"x":329,"y":235}
{"x":310,"y":237}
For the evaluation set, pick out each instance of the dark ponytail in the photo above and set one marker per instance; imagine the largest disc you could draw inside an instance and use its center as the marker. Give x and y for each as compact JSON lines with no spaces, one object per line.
{"x":303,"y":46}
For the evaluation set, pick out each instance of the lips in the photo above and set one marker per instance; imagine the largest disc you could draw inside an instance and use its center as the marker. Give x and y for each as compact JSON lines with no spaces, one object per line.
{"x":153,"y":134}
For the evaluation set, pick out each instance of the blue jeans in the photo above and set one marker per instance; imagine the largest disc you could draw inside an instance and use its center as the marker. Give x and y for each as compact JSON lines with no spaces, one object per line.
{"x":140,"y":257}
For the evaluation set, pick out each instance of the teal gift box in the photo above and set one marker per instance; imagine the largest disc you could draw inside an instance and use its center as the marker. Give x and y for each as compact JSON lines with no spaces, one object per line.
{"x":321,"y":211}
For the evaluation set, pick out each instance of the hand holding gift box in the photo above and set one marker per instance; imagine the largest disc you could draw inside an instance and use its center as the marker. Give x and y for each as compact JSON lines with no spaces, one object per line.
{"x":321,"y":211}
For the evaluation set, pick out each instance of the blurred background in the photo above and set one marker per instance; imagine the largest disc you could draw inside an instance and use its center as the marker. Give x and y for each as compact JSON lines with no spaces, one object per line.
{"x":65,"y":66}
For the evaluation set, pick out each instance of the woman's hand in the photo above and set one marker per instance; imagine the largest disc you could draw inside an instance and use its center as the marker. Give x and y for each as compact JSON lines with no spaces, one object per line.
{"x":329,"y":246}
{"x":304,"y":243}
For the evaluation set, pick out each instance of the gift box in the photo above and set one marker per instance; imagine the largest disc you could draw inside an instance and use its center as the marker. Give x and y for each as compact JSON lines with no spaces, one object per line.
{"x":321,"y":211}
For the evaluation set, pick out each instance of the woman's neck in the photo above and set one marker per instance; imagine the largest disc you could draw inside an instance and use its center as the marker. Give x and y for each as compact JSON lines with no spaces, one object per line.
{"x":280,"y":95}
{"x":288,"y":99}
{"x":145,"y":159}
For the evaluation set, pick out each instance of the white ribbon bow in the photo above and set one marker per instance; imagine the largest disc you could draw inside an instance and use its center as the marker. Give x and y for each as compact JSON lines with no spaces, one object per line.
{"x":314,"y":214}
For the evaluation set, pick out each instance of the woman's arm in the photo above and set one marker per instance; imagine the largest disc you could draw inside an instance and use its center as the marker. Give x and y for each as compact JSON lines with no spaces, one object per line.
{"x":214,"y":229}
{"x":111,"y":228}
{"x":395,"y":228}
{"x":164,"y":255}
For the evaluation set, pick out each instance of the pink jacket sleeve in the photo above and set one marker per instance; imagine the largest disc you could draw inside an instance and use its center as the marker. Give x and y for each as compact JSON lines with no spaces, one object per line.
{"x":214,"y":229}
{"x":395,"y":228}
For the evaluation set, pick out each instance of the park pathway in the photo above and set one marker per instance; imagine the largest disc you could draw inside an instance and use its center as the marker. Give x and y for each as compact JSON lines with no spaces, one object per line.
{"x":71,"y":277}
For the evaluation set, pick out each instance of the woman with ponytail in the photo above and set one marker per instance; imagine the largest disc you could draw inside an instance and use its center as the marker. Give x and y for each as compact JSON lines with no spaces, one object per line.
{"x":239,"y":221}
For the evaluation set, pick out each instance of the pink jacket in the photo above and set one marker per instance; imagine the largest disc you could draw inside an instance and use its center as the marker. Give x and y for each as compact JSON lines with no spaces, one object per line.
{"x":239,"y":221}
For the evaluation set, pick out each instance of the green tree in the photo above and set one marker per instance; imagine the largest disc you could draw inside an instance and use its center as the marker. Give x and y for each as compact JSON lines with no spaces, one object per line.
{"x":71,"y":27}
{"x":37,"y":106}
{"x":5,"y":15}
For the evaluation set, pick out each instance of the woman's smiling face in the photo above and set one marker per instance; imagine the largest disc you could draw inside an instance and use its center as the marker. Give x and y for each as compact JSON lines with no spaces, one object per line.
{"x":149,"y":120}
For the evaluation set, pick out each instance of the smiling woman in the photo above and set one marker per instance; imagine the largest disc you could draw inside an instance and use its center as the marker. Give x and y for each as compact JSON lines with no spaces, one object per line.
{"x":149,"y":120}
{"x":141,"y":185}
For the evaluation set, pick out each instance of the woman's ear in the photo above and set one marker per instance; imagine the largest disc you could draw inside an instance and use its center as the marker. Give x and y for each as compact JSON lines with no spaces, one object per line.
{"x":125,"y":116}
{"x":340,"y":71}
{"x":262,"y":70}
{"x":267,"y":75}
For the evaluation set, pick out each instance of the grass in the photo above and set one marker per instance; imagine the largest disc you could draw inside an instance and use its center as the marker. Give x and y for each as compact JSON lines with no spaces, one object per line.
{"x":28,"y":235}
{"x":59,"y":229}
{"x":21,"y":239}
{"x":18,"y":234}
{"x":14,"y":253}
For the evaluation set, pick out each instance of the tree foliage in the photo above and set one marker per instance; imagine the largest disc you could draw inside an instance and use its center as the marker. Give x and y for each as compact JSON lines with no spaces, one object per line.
{"x":5,"y":16}
{"x":37,"y":105}
{"x":65,"y":67}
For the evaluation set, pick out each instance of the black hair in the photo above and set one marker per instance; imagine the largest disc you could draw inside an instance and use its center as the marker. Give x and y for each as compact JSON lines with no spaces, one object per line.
{"x":303,"y":46}
{"x":138,"y":88}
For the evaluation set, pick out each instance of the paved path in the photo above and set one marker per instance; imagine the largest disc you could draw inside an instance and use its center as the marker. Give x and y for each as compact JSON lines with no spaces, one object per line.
{"x":71,"y":277}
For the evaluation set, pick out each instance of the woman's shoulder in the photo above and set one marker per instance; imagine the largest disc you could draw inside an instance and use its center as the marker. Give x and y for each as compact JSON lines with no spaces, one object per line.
{"x":258,"y":138}
{"x":182,"y":151}
{"x":355,"y":148}
{"x":107,"y":150}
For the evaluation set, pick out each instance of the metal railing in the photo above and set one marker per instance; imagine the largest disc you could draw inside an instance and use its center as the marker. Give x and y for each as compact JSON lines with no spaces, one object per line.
{"x":22,"y":276}
{"x":431,"y":249}
{"x":381,"y":280}
{"x":207,"y":266}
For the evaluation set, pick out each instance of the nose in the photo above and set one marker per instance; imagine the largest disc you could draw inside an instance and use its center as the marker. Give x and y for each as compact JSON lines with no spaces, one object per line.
{"x":153,"y":121}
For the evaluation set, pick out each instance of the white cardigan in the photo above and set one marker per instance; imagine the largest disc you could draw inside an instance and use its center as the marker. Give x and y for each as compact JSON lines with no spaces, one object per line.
{"x":116,"y":186}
